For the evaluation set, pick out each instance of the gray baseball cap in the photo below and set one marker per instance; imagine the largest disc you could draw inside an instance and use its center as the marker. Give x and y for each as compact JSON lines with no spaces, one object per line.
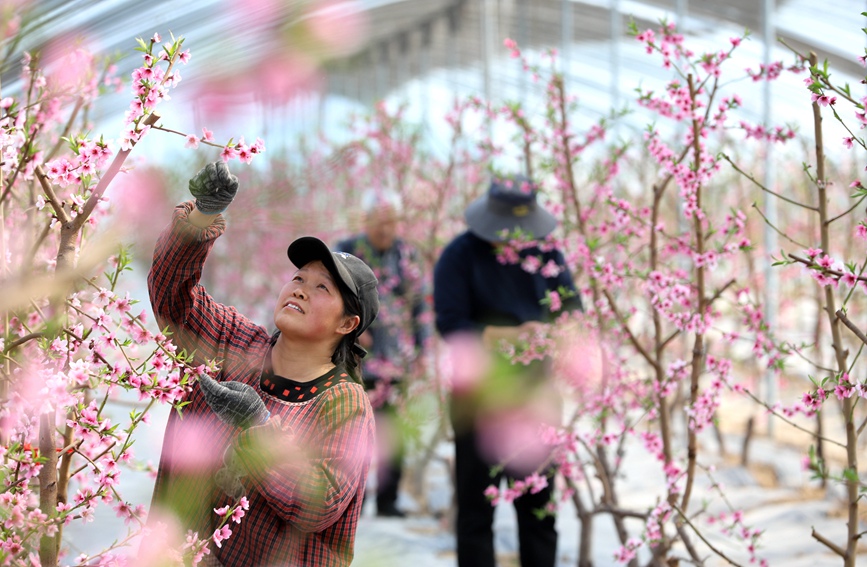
{"x":347,"y":269}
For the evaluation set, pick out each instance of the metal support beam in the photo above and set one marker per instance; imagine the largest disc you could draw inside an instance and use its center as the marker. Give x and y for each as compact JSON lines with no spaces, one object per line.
{"x":771,"y":277}
{"x":614,"y":65}
{"x":566,"y":33}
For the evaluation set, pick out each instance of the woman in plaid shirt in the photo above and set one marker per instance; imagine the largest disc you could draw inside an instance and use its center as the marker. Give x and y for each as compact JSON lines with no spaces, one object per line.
{"x":286,"y":423}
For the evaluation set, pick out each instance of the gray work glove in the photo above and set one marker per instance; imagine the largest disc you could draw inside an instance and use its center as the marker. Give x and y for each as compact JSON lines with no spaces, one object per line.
{"x":235,"y":403}
{"x":214,"y":188}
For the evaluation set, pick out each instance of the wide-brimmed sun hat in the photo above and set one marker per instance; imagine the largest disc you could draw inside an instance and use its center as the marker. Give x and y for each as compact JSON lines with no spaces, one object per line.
{"x":509,"y":204}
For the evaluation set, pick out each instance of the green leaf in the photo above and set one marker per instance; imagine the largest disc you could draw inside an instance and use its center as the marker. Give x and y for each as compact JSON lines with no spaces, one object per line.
{"x":851,"y":475}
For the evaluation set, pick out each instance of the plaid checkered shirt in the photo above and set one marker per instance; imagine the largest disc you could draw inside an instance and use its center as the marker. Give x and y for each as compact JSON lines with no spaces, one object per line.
{"x":306,"y":493}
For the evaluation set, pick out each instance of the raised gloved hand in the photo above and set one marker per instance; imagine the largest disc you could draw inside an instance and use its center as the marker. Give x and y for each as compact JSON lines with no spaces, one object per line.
{"x":235,"y":403}
{"x":214,"y":188}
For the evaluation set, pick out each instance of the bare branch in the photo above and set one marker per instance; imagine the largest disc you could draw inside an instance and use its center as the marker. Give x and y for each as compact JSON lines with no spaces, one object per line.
{"x":849,"y":210}
{"x":21,"y":341}
{"x":632,"y":338}
{"x":702,"y":538}
{"x":773,"y":412}
{"x":829,"y":544}
{"x":607,"y":509}
{"x":778,"y":231}
{"x":858,"y":333}
{"x":765,"y":189}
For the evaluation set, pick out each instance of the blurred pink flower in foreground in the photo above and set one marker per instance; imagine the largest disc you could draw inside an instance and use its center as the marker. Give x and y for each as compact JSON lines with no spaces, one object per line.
{"x":292,"y":40}
{"x":512,"y":436}
{"x":282,"y":76}
{"x":256,"y":13}
{"x":70,"y":67}
{"x":578,"y":360}
{"x":135,"y":196}
{"x":339,"y":25}
{"x":275,"y":78}
{"x":10,"y":16}
{"x":465,"y":362}
{"x":160,"y":542}
{"x":199,"y":453}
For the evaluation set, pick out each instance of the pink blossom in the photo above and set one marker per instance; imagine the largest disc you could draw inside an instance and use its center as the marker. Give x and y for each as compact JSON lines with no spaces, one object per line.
{"x":556,"y":302}
{"x":825,"y":261}
{"x":228,"y":153}
{"x":492,"y":493}
{"x":531,"y":264}
{"x":244,"y":153}
{"x":823,"y":99}
{"x":221,"y":534}
{"x":238,"y":513}
{"x":551,"y":269}
{"x":843,"y":391}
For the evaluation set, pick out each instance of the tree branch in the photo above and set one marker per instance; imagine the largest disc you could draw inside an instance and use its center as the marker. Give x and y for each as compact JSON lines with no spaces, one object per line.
{"x":813,"y":265}
{"x":107,"y":177}
{"x":674,"y":334}
{"x":778,"y":231}
{"x":62,"y":216}
{"x":790,"y":422}
{"x":858,"y":333}
{"x":829,"y":544}
{"x":765,"y":189}
{"x":701,"y":537}
{"x":849,"y":210}
{"x":628,"y":331}
{"x":21,"y":341}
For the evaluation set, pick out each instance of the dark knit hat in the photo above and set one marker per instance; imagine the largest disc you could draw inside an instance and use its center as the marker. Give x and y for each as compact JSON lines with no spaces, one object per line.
{"x":353,"y":273}
{"x":509,"y":204}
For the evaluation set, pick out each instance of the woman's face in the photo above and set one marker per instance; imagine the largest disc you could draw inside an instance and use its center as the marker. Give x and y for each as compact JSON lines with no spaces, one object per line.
{"x":310,"y":307}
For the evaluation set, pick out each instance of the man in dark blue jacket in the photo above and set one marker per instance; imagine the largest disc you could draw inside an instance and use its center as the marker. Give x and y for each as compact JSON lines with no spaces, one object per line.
{"x":480,"y":298}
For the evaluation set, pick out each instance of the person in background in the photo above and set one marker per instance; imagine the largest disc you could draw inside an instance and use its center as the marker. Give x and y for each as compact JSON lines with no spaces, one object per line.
{"x":396,"y":340}
{"x":485,"y":302}
{"x":285,"y":422}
